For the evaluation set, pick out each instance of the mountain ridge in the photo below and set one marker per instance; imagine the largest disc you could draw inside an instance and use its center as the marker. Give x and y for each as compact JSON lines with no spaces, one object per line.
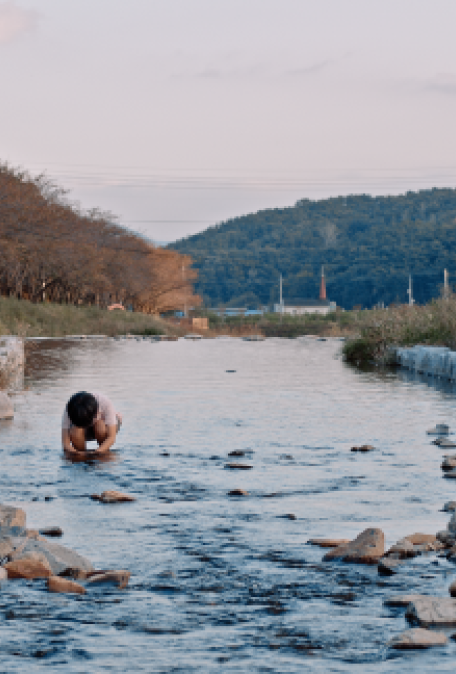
{"x":368,"y":246}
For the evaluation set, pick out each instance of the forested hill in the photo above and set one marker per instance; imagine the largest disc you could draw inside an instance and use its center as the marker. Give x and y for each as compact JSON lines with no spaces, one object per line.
{"x":368,"y":246}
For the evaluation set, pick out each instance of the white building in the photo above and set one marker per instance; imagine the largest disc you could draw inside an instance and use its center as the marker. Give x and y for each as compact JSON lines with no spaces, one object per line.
{"x":321,"y":307}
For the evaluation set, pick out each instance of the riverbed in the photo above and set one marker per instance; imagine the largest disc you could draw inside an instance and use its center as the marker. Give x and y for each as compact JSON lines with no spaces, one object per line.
{"x":223,"y":584}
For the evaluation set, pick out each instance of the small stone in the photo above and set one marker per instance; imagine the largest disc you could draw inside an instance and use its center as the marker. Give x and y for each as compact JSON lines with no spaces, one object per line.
{"x":118,"y":578}
{"x":401,"y":600}
{"x":449,"y":507}
{"x":238,"y":466}
{"x":451,"y":474}
{"x":290,"y":516}
{"x":238,"y":492}
{"x":367,"y":548}
{"x":51,"y":531}
{"x":402,"y":549}
{"x":446,"y":537}
{"x":417,"y":638}
{"x":11,"y":517}
{"x":452,"y":524}
{"x":449,"y":463}
{"x":366,"y":448}
{"x":432,"y":611}
{"x":388,"y":567}
{"x":420,"y":539}
{"x":237,"y":452}
{"x":6,"y":407}
{"x":57,"y":584}
{"x":48,"y":498}
{"x":27,"y":568}
{"x":112,"y":496}
{"x":452,"y":589}
{"x":328,"y":542}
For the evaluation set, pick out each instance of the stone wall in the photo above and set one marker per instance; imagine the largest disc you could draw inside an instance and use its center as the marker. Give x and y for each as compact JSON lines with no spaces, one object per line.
{"x":434,"y":361}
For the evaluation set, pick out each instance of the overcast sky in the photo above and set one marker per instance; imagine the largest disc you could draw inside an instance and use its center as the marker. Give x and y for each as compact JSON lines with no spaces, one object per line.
{"x":177,"y":114}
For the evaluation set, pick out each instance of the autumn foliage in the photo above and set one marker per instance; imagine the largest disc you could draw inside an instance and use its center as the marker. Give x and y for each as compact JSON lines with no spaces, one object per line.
{"x":52,"y":251}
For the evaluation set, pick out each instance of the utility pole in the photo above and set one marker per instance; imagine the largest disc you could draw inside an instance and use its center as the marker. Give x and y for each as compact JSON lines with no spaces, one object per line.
{"x":281,"y":300}
{"x":410,"y":292}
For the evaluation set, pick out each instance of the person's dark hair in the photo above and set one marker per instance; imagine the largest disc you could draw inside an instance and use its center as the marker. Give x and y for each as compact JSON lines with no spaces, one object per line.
{"x":82,"y":409}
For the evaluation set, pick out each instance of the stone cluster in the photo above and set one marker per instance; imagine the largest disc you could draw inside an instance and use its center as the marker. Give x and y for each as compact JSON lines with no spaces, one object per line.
{"x":27,"y":554}
{"x":424,"y":613}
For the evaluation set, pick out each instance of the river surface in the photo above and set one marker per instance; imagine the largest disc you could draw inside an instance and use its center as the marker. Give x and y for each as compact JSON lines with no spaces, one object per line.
{"x":223,"y":584}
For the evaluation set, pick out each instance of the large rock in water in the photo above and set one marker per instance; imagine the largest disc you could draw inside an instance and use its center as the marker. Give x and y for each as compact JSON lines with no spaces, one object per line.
{"x":432,"y":611}
{"x":27,"y":568}
{"x":11,"y":517}
{"x":367,"y":548}
{"x":6,"y":407}
{"x":58,"y":557}
{"x":417,"y":638}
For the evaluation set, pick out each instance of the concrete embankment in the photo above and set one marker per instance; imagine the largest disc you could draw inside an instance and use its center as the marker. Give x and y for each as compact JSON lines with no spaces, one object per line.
{"x":434,"y":361}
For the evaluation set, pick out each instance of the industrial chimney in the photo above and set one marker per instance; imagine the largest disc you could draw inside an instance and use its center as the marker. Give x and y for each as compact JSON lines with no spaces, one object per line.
{"x":323,"y":285}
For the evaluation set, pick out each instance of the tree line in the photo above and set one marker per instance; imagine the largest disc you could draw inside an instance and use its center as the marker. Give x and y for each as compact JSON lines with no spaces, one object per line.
{"x":368,"y":246}
{"x":52,"y":250}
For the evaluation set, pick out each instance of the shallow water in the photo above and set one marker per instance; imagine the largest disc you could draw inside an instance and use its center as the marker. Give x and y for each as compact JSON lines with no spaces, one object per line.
{"x":221,"y":584}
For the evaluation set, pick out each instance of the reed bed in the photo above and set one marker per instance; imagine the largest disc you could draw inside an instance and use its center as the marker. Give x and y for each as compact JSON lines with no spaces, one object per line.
{"x":380,"y":330}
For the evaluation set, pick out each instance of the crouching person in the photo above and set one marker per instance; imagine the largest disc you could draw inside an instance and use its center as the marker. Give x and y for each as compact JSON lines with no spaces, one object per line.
{"x":89,"y":417}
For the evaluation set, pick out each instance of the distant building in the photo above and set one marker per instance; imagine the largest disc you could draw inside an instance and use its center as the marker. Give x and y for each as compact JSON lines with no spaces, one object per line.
{"x":298,"y":307}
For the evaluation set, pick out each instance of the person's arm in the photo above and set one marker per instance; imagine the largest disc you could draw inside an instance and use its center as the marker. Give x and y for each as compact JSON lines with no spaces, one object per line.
{"x":66,"y":442}
{"x":108,"y":443}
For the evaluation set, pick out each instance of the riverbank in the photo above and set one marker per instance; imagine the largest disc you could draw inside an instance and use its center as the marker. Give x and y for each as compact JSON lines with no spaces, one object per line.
{"x":334,"y":324}
{"x":379,"y":331}
{"x":21,"y":317}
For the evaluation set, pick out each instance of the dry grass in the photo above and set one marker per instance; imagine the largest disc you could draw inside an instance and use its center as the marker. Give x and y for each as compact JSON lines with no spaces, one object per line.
{"x":58,"y":320}
{"x":434,"y":324}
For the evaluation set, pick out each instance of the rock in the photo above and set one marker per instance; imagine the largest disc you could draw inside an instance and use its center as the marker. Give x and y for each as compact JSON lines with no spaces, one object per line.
{"x":56,"y":584}
{"x":58,"y":557}
{"x":118,"y":578}
{"x":27,"y":568}
{"x":446,"y":537}
{"x":289,"y":516}
{"x":451,"y":473}
{"x":237,"y":452}
{"x":11,"y":517}
{"x":449,"y":507}
{"x":3,"y":574}
{"x":452,"y":589}
{"x":445,"y":443}
{"x":367,"y":548}
{"x":402,"y":549}
{"x":363,"y":448}
{"x":432,"y":611}
{"x":6,"y":407}
{"x":401,"y":600}
{"x":238,"y":466}
{"x":417,"y":638}
{"x":440,"y":429}
{"x":449,"y":463}
{"x":420,"y":539}
{"x":388,"y":567}
{"x":112,"y":496}
{"x":328,"y":542}
{"x":238,"y":492}
{"x":51,"y":531}
{"x":452,"y":524}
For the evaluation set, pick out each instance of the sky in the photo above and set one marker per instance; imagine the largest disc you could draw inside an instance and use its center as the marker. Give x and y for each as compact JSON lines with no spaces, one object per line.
{"x":175,"y":115}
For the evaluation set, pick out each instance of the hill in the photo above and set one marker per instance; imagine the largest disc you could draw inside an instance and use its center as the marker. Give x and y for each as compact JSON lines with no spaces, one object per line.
{"x":368,"y":246}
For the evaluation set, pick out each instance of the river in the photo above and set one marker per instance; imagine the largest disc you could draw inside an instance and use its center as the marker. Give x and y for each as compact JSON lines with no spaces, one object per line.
{"x":223,"y":584}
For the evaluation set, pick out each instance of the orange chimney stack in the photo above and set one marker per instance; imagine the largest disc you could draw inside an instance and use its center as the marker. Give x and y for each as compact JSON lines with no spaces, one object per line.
{"x":323,"y":285}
